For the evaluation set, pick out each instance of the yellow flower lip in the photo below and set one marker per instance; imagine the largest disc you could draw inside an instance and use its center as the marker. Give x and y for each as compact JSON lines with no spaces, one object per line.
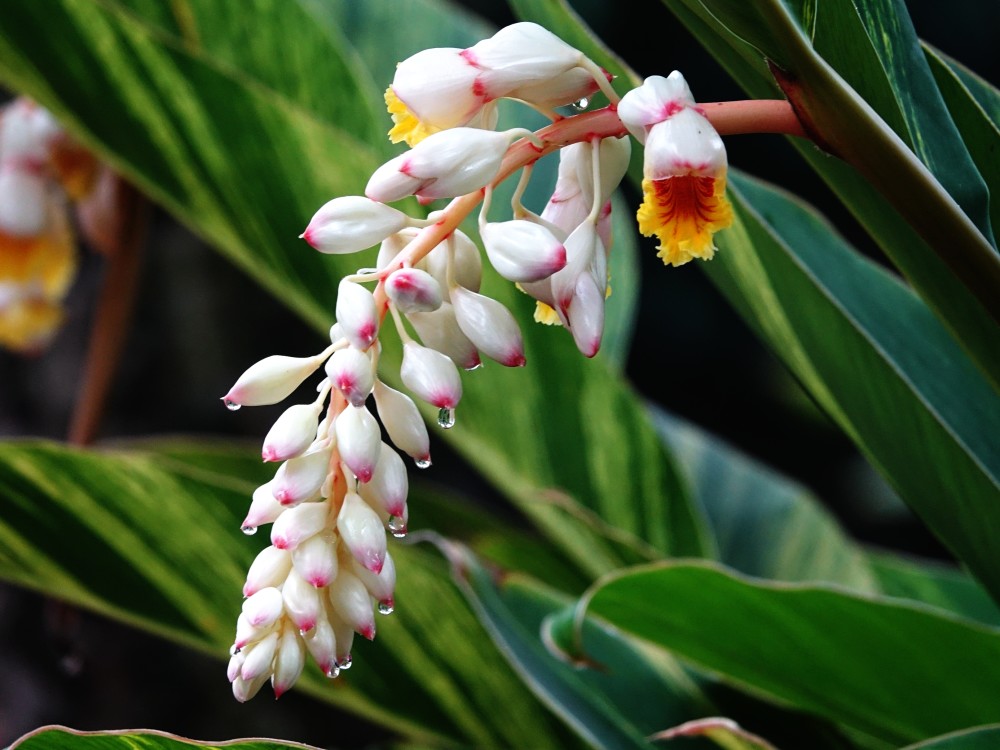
{"x":407,"y":126}
{"x":684,"y":211}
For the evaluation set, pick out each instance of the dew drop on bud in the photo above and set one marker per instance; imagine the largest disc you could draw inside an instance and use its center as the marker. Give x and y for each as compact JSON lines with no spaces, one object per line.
{"x":582,"y":104}
{"x":384,"y":608}
{"x":446,"y":419}
{"x":333,"y":672}
{"x":422,"y":463}
{"x":248,"y":530}
{"x":397,"y":526}
{"x":345,"y":662}
{"x":231,"y":405}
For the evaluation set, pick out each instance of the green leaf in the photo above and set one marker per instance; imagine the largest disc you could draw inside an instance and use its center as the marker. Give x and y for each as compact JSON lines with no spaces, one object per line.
{"x":872,"y":356}
{"x":151,"y":539}
{"x":763,"y":523}
{"x":976,"y":738}
{"x":874,"y":666}
{"x":243,"y":162}
{"x":927,"y":265}
{"x":61,"y":738}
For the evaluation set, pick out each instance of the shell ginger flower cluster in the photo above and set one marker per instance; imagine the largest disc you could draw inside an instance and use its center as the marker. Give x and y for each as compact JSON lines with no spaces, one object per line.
{"x":339,"y":487}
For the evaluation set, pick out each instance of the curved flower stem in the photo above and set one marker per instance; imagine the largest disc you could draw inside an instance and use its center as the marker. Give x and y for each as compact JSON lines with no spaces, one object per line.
{"x":114,"y":308}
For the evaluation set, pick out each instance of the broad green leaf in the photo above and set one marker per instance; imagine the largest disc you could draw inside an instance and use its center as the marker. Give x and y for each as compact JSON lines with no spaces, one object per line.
{"x":152,"y":539}
{"x":923,"y":263}
{"x":764,"y":524}
{"x":875,"y":666}
{"x":246,"y":165}
{"x":61,"y":738}
{"x":976,"y":738}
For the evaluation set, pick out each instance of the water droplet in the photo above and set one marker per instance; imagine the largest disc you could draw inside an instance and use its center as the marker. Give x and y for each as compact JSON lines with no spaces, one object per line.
{"x":476,"y":366}
{"x":231,"y":405}
{"x":446,"y":419}
{"x":397,"y":526}
{"x":333,"y":672}
{"x":582,"y":104}
{"x":422,"y":463}
{"x":384,"y":608}
{"x":303,"y":632}
{"x":345,"y":662}
{"x":233,"y":650}
{"x":248,"y":530}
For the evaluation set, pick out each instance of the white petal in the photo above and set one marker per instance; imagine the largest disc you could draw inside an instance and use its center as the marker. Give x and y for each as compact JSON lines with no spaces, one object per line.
{"x":523,"y":251}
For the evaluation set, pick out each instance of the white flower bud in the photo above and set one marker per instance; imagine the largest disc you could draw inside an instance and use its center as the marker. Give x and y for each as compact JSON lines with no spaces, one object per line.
{"x":235,"y":665}
{"x":439,"y":330}
{"x":344,"y":632}
{"x":581,"y":249}
{"x":258,"y":658}
{"x":358,"y":440}
{"x":468,"y":266}
{"x":264,"y":508}
{"x":586,"y":315}
{"x":522,"y":251}
{"x":386,"y":491}
{"x":489,"y":325}
{"x":684,"y":144}
{"x":288,"y":662}
{"x":657,"y":99}
{"x":271,"y":380}
{"x":297,"y":524}
{"x":263,"y":608}
{"x":443,"y":165}
{"x":362,"y":532}
{"x":269,"y":568}
{"x":357,"y":314}
{"x":244,"y":690}
{"x":322,"y":644}
{"x":315,"y":560}
{"x":431,"y":376}
{"x":522,"y":54}
{"x":350,"y":600}
{"x":301,"y":478}
{"x":247,"y":633}
{"x":412,"y":290}
{"x":403,"y":422}
{"x":352,"y":223}
{"x":350,"y":371}
{"x":380,"y":585}
{"x":292,"y":433}
{"x":303,"y":603}
{"x":439,"y":87}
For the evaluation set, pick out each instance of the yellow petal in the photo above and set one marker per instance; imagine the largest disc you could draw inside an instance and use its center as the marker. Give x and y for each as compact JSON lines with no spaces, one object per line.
{"x":684,"y":212}
{"x":408,"y":126}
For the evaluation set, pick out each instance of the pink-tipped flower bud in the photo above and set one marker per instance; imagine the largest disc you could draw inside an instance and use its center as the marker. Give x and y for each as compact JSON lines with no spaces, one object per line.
{"x":380,"y":585}
{"x":351,"y":601}
{"x":403,"y":422}
{"x":389,"y":485}
{"x":350,"y":371}
{"x":586,"y":315}
{"x":566,"y":88}
{"x":489,"y":325}
{"x":352,"y":223}
{"x":244,"y":690}
{"x":264,"y":508}
{"x":412,"y":290}
{"x":439,"y":330}
{"x":357,"y":314}
{"x":292,"y":433}
{"x":316,"y":560}
{"x":322,"y":644}
{"x":582,"y":247}
{"x":431,"y":376}
{"x":362,"y":532}
{"x":235,"y":665}
{"x":259,"y":657}
{"x":301,"y":478}
{"x":288,"y":662}
{"x":443,"y":165}
{"x":268,"y":569}
{"x":263,"y":608}
{"x":297,"y":524}
{"x":522,"y":251}
{"x":247,"y":633}
{"x":439,"y":87}
{"x":524,"y":53}
{"x":656,"y":100}
{"x":358,"y":440}
{"x":271,"y":380}
{"x":345,"y":639}
{"x":303,"y":603}
{"x":467,"y":266}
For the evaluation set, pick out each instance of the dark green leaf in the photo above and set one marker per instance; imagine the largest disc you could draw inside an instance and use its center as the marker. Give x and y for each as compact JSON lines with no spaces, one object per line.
{"x":976,"y":738}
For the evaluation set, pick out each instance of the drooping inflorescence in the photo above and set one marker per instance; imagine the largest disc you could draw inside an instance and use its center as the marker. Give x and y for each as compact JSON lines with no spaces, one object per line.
{"x":339,"y":487}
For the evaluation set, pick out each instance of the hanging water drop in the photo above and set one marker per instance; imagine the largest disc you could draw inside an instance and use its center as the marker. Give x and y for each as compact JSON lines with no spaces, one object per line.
{"x":397,"y":526}
{"x":231,"y":405}
{"x":384,"y":608}
{"x":422,"y":463}
{"x":446,"y":418}
{"x":248,"y":529}
{"x":581,"y":105}
{"x":333,"y":672}
{"x":345,"y":662}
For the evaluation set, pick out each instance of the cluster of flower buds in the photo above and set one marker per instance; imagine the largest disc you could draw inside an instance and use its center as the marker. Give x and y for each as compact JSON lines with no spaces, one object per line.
{"x":339,"y":486}
{"x":41,"y":170}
